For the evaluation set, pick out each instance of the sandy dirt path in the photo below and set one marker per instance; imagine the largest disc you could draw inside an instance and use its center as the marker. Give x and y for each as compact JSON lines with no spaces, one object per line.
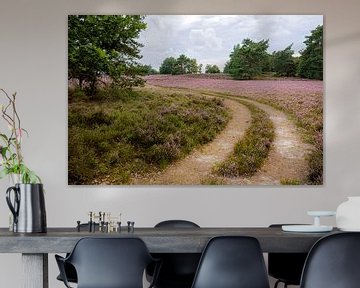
{"x":287,"y":158}
{"x":197,"y":166}
{"x":285,"y":162}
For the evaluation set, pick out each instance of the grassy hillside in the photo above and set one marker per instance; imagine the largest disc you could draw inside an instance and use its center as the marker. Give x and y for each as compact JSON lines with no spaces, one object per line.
{"x":301,"y":99}
{"x":118,"y":135}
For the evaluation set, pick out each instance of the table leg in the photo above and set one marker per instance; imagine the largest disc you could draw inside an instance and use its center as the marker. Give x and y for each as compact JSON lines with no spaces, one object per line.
{"x":35,"y":270}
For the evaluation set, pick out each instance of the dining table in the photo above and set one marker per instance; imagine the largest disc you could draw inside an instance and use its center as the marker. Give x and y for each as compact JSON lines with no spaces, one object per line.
{"x":35,"y":247}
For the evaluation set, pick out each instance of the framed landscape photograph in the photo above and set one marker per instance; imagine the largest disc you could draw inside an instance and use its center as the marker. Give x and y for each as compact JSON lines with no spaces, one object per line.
{"x":195,"y":99}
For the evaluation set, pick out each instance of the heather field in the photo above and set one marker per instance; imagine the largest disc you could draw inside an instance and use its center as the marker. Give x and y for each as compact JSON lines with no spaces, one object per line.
{"x":301,"y":99}
{"x":195,"y":99}
{"x":122,"y":134}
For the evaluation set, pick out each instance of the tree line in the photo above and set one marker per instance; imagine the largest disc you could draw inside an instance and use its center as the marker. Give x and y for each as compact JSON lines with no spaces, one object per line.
{"x":250,"y":59}
{"x":185,"y":65}
{"x":105,"y":49}
{"x":180,"y":65}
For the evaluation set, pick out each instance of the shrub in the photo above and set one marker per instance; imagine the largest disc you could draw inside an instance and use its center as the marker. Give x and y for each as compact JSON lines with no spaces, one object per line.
{"x":252,"y":150}
{"x":131,"y":133}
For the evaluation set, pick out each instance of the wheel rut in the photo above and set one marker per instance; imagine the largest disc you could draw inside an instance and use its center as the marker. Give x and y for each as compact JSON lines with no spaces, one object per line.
{"x":198,"y":165}
{"x":286,"y":161}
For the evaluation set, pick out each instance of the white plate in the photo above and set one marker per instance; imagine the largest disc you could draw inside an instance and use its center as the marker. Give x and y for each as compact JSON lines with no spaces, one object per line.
{"x":350,"y":229}
{"x":306,"y":228}
{"x":321,"y":213}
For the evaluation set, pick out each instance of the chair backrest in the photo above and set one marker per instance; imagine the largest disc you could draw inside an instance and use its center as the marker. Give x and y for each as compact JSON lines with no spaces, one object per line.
{"x":176,"y":224}
{"x":110,"y":262}
{"x":232,"y":262}
{"x":178,"y":269}
{"x":333,"y":262}
{"x":286,"y":267}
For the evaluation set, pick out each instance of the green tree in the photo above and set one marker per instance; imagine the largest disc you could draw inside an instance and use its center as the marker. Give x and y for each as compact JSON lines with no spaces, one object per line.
{"x":284,"y":63}
{"x":181,"y":65}
{"x":311,"y":59}
{"x":148,"y":70}
{"x":248,"y":59}
{"x":104,"y":46}
{"x":227,"y":67}
{"x":168,"y":66}
{"x":212,"y":69}
{"x":185,"y":65}
{"x":193,"y":67}
{"x":268,"y":65}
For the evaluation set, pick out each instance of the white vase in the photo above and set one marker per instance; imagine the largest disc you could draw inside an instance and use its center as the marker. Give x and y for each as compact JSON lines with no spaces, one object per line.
{"x":14,"y":179}
{"x":348,"y":215}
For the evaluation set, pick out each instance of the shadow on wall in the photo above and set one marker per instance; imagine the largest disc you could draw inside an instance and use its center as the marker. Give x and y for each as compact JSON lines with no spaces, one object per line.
{"x":345,"y":39}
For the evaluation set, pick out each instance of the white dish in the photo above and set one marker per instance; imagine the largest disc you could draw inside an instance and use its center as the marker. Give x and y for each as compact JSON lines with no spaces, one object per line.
{"x":350,"y":229}
{"x":306,"y":228}
{"x":321,"y":213}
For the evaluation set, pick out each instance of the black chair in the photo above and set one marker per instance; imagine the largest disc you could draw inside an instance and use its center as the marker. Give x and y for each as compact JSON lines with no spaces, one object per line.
{"x":178,"y":269}
{"x":108,"y":263}
{"x":333,"y":262}
{"x":69,"y":269}
{"x":232,"y":262}
{"x":286,"y":267}
{"x":176,"y":224}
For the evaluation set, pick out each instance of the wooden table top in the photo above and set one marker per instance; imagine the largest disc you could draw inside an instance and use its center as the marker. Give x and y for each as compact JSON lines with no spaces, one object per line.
{"x":158,"y":240}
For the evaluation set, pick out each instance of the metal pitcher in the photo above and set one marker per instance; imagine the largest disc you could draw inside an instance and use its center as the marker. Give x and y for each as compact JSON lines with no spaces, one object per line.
{"x":28,"y":208}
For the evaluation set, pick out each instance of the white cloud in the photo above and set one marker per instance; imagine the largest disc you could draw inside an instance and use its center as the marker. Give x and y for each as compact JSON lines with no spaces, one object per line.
{"x":204,"y":39}
{"x":212,"y":37}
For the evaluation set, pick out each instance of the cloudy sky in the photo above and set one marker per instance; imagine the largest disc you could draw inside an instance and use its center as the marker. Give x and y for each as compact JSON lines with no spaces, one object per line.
{"x":211,"y":38}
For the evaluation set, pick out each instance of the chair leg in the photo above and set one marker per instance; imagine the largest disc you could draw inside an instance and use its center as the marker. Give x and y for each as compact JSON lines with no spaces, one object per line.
{"x":279,"y":281}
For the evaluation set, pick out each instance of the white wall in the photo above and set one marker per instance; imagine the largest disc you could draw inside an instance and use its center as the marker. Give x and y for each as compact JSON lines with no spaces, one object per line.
{"x":33,"y":62}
